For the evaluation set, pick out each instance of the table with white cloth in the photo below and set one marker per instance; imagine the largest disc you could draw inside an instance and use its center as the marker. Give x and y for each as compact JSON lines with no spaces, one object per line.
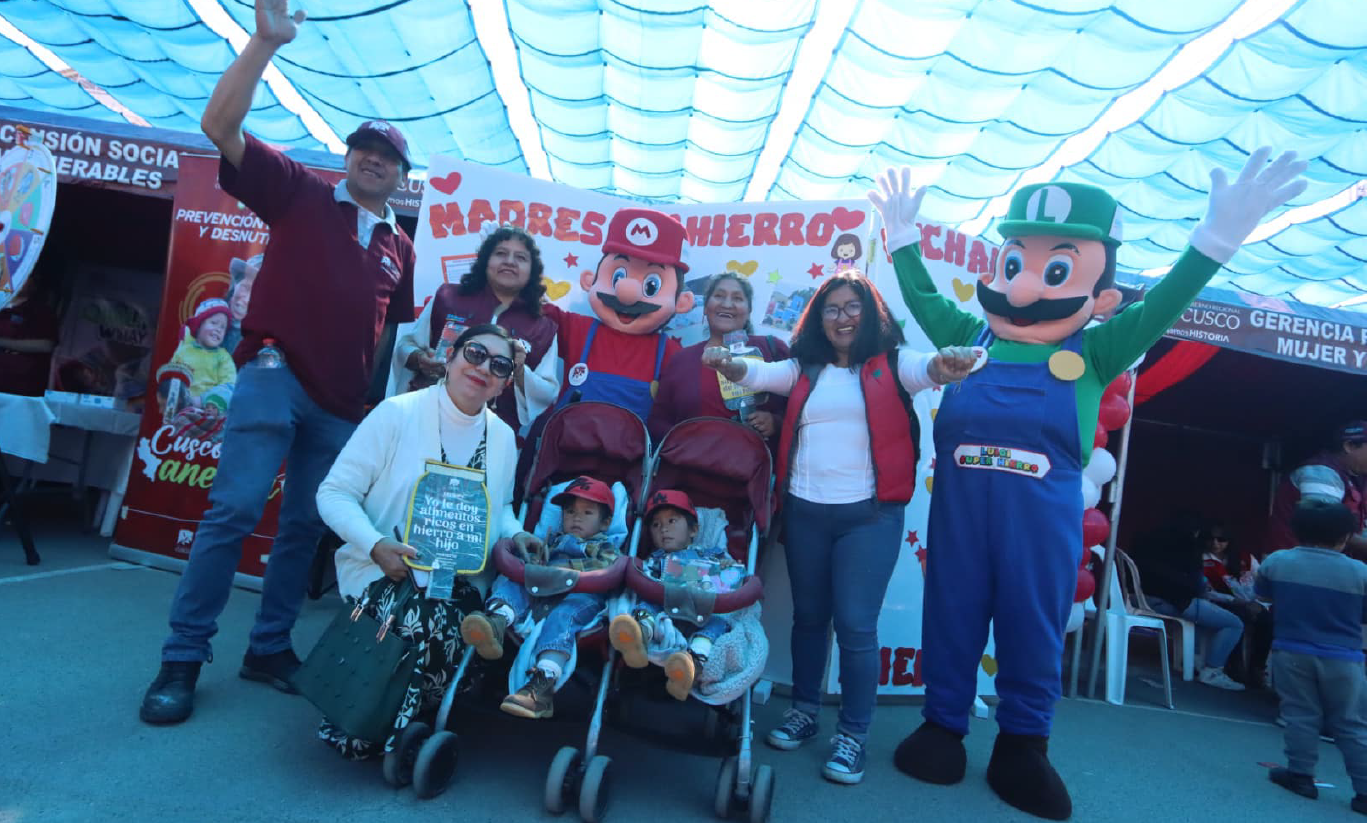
{"x":55,"y":439}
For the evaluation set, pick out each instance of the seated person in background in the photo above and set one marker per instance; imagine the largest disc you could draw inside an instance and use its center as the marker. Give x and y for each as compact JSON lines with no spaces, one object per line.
{"x":1319,"y":596}
{"x":586,"y":508}
{"x":673,"y":527}
{"x":1338,"y":473}
{"x":1229,"y":584}
{"x":1169,"y":563}
{"x":28,"y":334}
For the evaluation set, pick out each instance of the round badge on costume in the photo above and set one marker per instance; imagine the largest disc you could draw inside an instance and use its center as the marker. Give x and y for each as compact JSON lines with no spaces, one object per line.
{"x":1066,"y":365}
{"x":579,"y":372}
{"x":980,"y":358}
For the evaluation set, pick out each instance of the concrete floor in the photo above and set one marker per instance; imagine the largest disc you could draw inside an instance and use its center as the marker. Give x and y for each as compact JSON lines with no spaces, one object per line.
{"x":81,"y":635}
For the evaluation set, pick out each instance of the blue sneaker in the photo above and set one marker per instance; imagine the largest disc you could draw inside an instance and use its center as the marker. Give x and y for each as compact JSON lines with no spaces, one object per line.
{"x":798,"y":727}
{"x":846,"y":763}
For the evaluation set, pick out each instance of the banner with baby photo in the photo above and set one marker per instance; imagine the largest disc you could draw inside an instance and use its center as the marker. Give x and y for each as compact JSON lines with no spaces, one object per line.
{"x":216,"y":244}
{"x":784,"y":249}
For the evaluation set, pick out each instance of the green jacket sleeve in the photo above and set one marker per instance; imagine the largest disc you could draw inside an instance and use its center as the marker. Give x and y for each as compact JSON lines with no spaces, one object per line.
{"x":1118,"y":342}
{"x":943,"y":322}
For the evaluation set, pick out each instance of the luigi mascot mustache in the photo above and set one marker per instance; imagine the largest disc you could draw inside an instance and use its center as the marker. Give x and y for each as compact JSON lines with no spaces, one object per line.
{"x":1037,"y":396}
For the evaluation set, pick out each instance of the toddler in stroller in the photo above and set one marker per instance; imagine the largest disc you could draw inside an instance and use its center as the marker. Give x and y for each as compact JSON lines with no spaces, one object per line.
{"x":586,"y":508}
{"x":673,"y":527}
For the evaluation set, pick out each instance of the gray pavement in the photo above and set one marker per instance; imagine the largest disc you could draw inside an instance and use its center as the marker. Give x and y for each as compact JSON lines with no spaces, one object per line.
{"x":79,"y":640}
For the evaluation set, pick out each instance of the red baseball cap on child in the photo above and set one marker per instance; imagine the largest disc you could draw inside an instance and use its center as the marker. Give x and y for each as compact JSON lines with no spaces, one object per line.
{"x":672,"y":498}
{"x":588,"y":489}
{"x":204,"y":311}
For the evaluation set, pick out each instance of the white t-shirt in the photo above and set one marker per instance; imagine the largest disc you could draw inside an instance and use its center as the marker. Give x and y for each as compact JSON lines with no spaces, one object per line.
{"x":833,"y":462}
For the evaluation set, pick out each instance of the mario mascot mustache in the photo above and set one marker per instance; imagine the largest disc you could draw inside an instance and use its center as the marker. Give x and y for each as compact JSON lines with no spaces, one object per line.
{"x":1043,"y":309}
{"x":633,"y":309}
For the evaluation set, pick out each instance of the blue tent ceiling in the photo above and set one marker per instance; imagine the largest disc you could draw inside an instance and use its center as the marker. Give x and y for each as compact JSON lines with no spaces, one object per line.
{"x":676,"y":100}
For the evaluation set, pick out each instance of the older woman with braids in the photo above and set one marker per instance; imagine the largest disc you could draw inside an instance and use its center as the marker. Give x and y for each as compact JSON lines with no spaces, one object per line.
{"x":689,"y":390}
{"x":504,"y":286}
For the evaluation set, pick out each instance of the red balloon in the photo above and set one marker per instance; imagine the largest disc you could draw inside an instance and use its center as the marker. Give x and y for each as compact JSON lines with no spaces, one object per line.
{"x":1095,"y":528}
{"x":1086,"y":586}
{"x":1102,"y":438}
{"x":1120,"y":387}
{"x":1114,"y":412}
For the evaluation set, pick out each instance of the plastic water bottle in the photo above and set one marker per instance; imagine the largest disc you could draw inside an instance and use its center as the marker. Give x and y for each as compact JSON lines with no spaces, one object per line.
{"x":449,"y":333}
{"x":268,"y":356}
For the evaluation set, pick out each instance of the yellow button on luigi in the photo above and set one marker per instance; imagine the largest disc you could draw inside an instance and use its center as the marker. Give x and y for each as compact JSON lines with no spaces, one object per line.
{"x":1066,"y":365}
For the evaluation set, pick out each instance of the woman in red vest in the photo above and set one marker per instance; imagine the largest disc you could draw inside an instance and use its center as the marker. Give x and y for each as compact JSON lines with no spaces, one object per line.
{"x":846,"y":468}
{"x":688,"y":390}
{"x":503,"y":286}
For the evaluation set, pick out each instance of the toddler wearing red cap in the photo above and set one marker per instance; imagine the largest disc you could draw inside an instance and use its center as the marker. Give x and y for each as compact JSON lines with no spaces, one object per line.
{"x":202,"y":350}
{"x":586,"y":512}
{"x":673,"y":524}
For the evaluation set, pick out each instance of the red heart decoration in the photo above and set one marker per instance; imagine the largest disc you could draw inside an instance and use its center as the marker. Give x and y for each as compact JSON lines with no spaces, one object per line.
{"x":845,"y":219}
{"x":448,"y":184}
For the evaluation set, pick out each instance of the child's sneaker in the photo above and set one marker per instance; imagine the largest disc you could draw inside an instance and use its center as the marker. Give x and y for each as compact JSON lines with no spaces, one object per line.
{"x":1301,"y":784}
{"x":484,"y":631}
{"x":846,"y":763}
{"x":534,"y":700}
{"x":797,"y":728}
{"x":1212,"y":676}
{"x":628,"y":637}
{"x":679,"y":673}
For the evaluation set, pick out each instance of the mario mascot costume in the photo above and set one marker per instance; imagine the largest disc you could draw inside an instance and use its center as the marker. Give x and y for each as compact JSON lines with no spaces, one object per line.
{"x":616,"y":356}
{"x":1005,"y":531}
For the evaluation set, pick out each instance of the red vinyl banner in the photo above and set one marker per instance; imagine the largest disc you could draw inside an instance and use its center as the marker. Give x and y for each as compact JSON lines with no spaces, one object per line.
{"x":216,"y":243}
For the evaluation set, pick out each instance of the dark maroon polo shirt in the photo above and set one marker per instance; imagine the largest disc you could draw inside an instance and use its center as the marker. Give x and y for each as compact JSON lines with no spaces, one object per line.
{"x":322,"y":296}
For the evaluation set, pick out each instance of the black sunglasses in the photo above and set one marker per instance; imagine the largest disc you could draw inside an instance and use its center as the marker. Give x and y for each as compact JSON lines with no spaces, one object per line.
{"x":476,"y":354}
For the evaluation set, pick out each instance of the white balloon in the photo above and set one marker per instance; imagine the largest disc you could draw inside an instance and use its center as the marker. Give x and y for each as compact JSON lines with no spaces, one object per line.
{"x":1101,"y":469}
{"x":1091,"y":493}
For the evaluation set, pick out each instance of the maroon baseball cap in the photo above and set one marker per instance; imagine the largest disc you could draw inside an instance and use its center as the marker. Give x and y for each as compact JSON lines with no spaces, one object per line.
{"x":588,"y":489}
{"x":387,"y":132}
{"x":650,"y":235}
{"x":670,"y":498}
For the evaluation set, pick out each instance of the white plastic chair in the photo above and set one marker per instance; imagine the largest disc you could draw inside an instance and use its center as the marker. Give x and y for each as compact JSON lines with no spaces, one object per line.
{"x":1121,"y":619}
{"x":1186,"y":649}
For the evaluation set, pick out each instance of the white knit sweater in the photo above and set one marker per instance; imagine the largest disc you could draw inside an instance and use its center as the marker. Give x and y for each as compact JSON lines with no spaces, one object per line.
{"x":365,"y":495}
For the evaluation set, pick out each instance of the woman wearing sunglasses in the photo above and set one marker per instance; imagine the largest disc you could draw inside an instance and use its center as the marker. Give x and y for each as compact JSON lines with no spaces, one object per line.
{"x":365,"y":497}
{"x":503,"y":286}
{"x":845,"y":470}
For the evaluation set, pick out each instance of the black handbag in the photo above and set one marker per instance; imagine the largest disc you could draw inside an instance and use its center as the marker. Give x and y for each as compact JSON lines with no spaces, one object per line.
{"x":359,"y":671}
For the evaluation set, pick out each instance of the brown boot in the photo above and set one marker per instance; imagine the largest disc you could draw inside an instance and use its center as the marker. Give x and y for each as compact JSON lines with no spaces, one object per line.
{"x":679,"y":673}
{"x":484,"y":631}
{"x":627,"y":637}
{"x":534,"y":700}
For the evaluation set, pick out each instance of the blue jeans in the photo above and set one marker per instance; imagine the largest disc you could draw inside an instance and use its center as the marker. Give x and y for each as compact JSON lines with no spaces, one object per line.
{"x":270,"y":419}
{"x":569,"y":616}
{"x":840,"y":559}
{"x":1206,"y":615}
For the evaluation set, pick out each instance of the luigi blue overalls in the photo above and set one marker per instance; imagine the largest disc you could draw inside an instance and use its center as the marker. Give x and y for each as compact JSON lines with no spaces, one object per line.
{"x":629,"y":393}
{"x":1004,"y":541}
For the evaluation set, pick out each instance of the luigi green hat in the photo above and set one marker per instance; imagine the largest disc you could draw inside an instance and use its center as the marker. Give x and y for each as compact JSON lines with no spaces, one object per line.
{"x":1064,"y":209}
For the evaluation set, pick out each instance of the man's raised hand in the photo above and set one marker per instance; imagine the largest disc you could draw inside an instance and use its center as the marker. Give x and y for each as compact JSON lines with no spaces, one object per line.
{"x":275,"y":23}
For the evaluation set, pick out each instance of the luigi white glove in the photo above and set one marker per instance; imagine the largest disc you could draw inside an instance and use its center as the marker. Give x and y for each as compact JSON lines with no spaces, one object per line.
{"x":1235,"y":209}
{"x":898,"y":205}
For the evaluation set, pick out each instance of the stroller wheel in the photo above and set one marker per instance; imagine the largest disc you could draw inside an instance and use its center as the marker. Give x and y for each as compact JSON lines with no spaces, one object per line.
{"x":761,"y":793}
{"x":398,"y":764}
{"x":724,"y":801}
{"x":435,"y":766}
{"x":593,"y":793}
{"x":563,"y":778}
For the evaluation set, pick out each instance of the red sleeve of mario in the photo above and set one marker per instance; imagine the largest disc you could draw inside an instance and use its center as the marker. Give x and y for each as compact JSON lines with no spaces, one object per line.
{"x":672,"y":347}
{"x":267,"y":180}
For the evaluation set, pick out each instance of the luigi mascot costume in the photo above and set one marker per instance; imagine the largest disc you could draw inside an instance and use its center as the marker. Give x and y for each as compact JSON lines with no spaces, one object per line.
{"x":1011,"y":441}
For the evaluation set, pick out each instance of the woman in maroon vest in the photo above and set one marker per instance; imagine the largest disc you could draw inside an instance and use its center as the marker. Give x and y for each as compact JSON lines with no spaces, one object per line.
{"x":503,"y":286}
{"x":688,"y":390}
{"x":846,"y":468}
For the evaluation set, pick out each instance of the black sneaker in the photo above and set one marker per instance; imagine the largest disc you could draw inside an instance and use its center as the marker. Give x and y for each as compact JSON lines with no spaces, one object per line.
{"x":171,"y":697}
{"x":797,"y":728}
{"x":846,"y":763}
{"x":1301,"y":784}
{"x":276,"y":669}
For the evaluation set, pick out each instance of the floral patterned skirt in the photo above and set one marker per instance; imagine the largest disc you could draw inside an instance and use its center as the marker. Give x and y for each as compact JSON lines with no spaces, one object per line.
{"x":434,"y":627}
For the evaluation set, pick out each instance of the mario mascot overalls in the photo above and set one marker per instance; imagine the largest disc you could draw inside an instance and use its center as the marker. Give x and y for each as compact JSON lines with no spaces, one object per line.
{"x":1005,"y":531}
